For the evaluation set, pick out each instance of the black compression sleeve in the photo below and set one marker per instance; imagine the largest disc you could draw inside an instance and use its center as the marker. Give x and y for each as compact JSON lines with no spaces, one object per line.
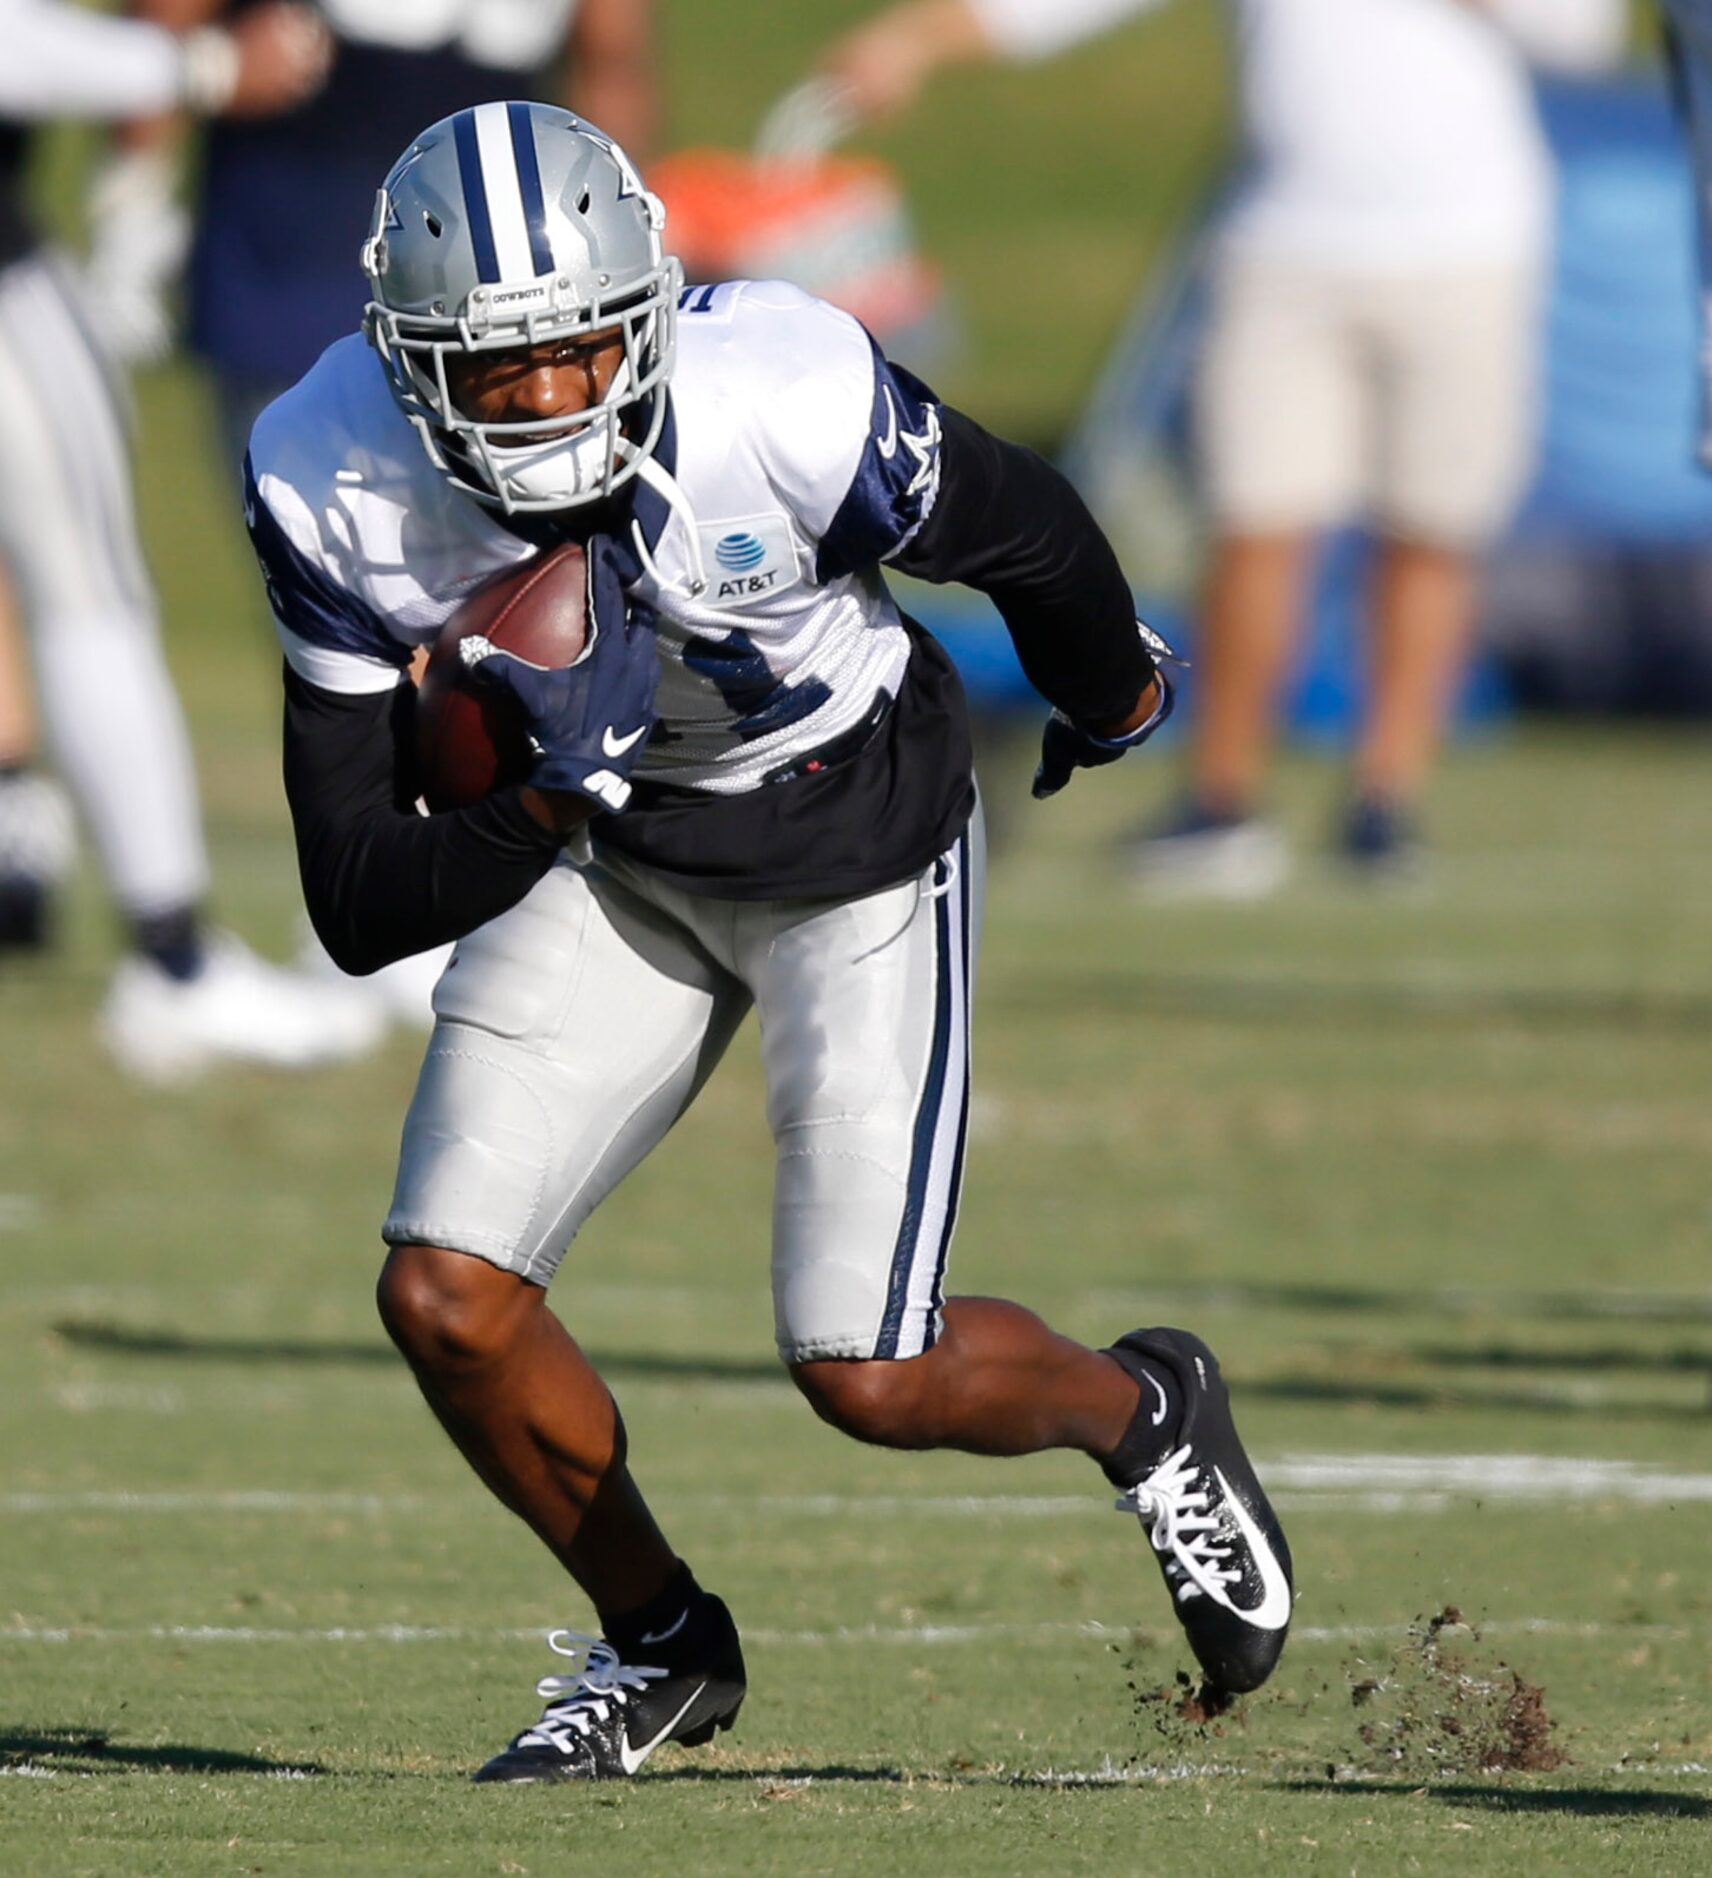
{"x":380,"y":880}
{"x":1005,"y":521}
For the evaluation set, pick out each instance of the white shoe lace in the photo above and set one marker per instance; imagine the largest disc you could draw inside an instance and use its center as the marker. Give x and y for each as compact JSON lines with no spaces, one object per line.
{"x":1172,"y":1503}
{"x":576,"y":1702}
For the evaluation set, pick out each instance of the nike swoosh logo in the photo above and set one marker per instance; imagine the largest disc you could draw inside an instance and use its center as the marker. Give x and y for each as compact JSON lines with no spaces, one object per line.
{"x":1159,"y":1391}
{"x":633,"y":1758}
{"x":888,"y":444}
{"x":1273,"y":1610}
{"x":615,"y":745}
{"x":660,"y":1636}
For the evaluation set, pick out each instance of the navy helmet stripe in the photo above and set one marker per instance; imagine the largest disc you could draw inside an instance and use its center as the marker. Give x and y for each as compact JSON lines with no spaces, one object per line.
{"x":475,"y":195}
{"x":529,"y":182}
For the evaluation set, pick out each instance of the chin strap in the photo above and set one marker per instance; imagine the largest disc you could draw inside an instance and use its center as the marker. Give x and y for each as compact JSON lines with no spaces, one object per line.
{"x":665,"y":486}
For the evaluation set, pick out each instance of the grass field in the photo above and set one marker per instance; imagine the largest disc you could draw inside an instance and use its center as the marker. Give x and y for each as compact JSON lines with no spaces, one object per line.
{"x":1431,"y":1173}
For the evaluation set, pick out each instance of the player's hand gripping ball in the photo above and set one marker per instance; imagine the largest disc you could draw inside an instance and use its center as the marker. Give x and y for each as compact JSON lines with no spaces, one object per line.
{"x":472,"y":739}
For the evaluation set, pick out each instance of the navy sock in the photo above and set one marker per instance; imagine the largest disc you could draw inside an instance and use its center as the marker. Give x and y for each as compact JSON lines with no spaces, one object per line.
{"x":1152,"y":1431}
{"x":173,"y":941}
{"x":669,"y":1627}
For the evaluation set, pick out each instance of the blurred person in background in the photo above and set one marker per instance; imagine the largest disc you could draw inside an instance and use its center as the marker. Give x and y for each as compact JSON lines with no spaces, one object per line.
{"x":1688,"y":37}
{"x":283,"y":205}
{"x":1371,"y":358}
{"x":182,"y":995}
{"x":36,"y":839}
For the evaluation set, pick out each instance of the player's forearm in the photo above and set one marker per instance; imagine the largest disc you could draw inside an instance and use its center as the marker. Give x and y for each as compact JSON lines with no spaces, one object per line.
{"x":179,"y":16}
{"x":60,"y":61}
{"x":1007,"y":523}
{"x":380,"y":881}
{"x":162,"y":132}
{"x":611,"y":73}
{"x":1026,"y":30}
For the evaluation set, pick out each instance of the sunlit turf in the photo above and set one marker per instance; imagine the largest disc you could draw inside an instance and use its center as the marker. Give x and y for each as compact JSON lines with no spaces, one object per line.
{"x":1428,"y":1170}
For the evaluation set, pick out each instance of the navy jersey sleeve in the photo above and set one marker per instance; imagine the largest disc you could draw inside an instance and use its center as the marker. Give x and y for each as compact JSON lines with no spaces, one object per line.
{"x":307,"y":601}
{"x":1005,"y":522}
{"x":896,"y":479}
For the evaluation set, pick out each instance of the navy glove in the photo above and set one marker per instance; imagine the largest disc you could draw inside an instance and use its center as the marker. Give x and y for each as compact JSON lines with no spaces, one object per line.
{"x":1066,"y":747}
{"x":588,"y":722}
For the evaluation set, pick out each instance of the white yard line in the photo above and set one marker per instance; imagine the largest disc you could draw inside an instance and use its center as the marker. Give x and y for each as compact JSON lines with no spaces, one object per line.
{"x":1533,"y":1477}
{"x":911,"y":1636}
{"x":1377,"y":1483}
{"x":191,"y":1501}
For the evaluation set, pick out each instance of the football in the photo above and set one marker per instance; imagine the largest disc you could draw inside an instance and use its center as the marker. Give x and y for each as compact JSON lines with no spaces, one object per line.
{"x":467,"y":743}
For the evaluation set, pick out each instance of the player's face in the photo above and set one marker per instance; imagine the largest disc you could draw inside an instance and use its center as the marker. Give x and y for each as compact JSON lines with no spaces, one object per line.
{"x":557,"y":378}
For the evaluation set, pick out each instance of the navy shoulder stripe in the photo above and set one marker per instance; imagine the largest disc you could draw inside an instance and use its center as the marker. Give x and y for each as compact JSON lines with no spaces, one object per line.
{"x":895,"y":477}
{"x":306,"y":599}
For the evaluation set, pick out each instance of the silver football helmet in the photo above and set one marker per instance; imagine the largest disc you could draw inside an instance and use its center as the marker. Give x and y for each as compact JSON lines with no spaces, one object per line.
{"x":516,"y":225}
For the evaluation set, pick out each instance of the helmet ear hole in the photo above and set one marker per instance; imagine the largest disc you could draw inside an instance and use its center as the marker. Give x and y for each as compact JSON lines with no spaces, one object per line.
{"x":583,"y":202}
{"x":432,"y":222}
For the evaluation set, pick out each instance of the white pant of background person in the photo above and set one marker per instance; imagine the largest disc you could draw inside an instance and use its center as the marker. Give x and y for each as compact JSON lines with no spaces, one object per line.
{"x":68,"y":535}
{"x":1328,"y":396}
{"x":574,"y":1030}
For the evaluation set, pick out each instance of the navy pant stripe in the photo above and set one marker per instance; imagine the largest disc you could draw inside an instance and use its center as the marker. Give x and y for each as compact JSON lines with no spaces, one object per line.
{"x":926,"y":1127}
{"x":965,"y":894}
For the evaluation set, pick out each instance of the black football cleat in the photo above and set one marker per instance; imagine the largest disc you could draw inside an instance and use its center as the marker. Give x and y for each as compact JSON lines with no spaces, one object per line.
{"x":1225,"y":1559}
{"x":604,"y":1720}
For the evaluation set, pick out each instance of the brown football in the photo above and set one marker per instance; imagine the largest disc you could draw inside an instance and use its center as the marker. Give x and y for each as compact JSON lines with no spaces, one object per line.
{"x":469,"y":744}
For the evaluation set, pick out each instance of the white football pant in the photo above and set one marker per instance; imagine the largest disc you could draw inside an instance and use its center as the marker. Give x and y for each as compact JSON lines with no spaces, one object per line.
{"x":574,"y":1030}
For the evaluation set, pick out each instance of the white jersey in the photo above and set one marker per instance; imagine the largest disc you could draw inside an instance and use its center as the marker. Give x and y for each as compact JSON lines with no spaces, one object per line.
{"x":798,"y":459}
{"x":1385,"y":134}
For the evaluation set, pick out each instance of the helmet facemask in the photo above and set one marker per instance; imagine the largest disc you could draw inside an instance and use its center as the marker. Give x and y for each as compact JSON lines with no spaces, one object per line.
{"x":595,"y":235}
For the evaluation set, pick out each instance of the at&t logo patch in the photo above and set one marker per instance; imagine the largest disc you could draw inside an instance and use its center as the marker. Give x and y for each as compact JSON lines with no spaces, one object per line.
{"x":751,"y":557}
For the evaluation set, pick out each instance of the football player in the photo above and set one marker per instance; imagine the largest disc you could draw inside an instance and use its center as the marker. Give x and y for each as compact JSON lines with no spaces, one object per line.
{"x":784,"y":819}
{"x":183,"y":995}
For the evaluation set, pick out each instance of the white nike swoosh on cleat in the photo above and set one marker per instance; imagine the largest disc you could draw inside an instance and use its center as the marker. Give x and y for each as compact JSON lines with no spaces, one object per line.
{"x":671,"y":1630}
{"x":1273,"y":1610}
{"x":615,"y":745}
{"x":633,"y":1758}
{"x":1159,"y":1390}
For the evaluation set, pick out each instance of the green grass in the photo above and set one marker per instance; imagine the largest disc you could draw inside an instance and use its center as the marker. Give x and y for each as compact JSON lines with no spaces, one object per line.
{"x":1430,"y":1172}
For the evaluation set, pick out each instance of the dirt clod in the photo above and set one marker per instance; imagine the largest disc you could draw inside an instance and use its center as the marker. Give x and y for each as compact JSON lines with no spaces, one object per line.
{"x":1181,"y":1713}
{"x":1443,"y":1706}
